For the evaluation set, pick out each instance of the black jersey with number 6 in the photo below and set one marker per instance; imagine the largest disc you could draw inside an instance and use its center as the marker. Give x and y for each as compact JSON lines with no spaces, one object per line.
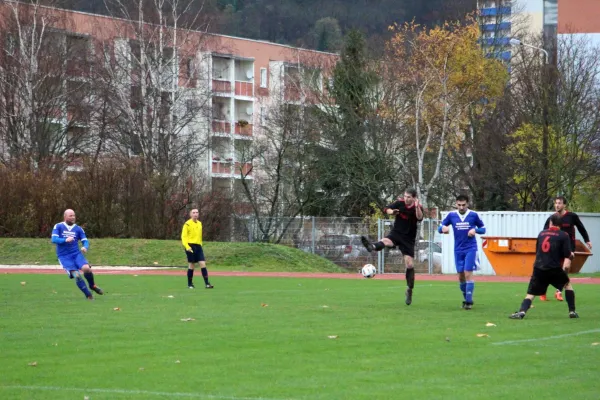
{"x":552,"y":247}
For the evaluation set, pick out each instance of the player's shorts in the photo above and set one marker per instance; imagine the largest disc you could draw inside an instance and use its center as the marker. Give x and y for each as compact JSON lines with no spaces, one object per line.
{"x":72,"y":262}
{"x":196,"y":255}
{"x":466,"y":261}
{"x":405,"y":244}
{"x":541,"y":279}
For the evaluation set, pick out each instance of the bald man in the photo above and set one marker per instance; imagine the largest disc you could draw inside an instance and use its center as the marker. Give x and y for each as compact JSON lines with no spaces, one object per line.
{"x":66,"y":236}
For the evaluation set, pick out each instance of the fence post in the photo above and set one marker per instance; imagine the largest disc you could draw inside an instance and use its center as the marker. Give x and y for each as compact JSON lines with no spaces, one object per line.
{"x":251,"y":230}
{"x":430,"y":247}
{"x":380,"y":261}
{"x":313,"y":232}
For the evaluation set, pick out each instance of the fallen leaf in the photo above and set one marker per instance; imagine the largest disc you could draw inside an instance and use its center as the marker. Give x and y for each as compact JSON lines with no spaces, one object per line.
{"x":54,"y":292}
{"x":86,"y":398}
{"x":33,"y":364}
{"x":171,"y":296}
{"x":326,"y":289}
{"x":483,"y":335}
{"x":325,"y":306}
{"x":447,"y":339}
{"x":141,"y":368}
{"x":116,"y":309}
{"x":333,"y":336}
{"x":37,"y":262}
{"x":23,"y":283}
{"x":532,"y":306}
{"x":155,"y":262}
{"x":187,"y":319}
{"x":490,"y":324}
{"x":264,"y":305}
{"x":55,"y":344}
{"x":134,"y":275}
{"x":595,"y":344}
{"x":177,"y":362}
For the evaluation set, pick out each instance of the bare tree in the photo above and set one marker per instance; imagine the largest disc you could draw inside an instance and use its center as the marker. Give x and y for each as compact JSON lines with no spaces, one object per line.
{"x":44,"y":99}
{"x":156,"y":79}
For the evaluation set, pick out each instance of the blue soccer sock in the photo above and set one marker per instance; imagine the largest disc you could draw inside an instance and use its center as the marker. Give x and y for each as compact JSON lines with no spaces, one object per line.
{"x":82,"y":286}
{"x":470,"y":288}
{"x":463,"y":289}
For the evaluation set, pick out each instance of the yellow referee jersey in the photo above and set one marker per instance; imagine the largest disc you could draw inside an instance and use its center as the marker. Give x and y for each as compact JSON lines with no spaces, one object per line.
{"x":191,"y":233}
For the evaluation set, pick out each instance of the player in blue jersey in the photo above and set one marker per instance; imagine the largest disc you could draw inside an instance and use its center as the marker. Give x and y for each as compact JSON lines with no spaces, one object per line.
{"x":66,"y":235}
{"x":465,"y":223}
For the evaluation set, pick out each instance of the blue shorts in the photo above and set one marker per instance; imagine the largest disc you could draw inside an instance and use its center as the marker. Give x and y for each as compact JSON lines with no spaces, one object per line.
{"x":466,"y":261}
{"x":72,"y":262}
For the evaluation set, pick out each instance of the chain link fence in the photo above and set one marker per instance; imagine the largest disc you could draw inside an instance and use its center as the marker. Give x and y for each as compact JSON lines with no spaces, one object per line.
{"x":338,"y":240}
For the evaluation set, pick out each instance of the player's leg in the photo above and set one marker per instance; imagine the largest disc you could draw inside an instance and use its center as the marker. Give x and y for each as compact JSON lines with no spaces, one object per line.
{"x":538,"y":284}
{"x":561,"y":280}
{"x":68,"y":263}
{"x":459,"y":262}
{"x":471,"y":264}
{"x":410,"y":278}
{"x":82,"y":264}
{"x":202,"y":262}
{"x":377,"y":246}
{"x":191,"y":258}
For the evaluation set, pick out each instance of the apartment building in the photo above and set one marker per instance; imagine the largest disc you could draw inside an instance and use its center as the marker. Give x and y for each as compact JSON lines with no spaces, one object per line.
{"x":239,"y":79}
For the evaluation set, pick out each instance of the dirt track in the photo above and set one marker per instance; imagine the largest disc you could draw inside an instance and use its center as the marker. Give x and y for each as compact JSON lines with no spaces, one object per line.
{"x":173,"y":271}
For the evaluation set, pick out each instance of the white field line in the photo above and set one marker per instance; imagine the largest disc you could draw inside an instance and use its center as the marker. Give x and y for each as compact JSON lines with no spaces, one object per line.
{"x":94,"y":267}
{"x":547,"y":338}
{"x":133,"y":392}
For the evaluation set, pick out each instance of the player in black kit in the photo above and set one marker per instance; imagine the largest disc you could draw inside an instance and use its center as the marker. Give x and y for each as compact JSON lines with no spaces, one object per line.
{"x":408,"y":212}
{"x":552,"y":261}
{"x":568,"y":221}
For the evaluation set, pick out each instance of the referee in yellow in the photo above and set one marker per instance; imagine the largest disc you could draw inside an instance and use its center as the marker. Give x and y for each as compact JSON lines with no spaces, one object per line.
{"x":191,"y":237}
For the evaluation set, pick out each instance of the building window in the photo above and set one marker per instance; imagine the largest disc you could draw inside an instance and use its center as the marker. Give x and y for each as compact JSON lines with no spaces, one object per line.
{"x":263,"y":77}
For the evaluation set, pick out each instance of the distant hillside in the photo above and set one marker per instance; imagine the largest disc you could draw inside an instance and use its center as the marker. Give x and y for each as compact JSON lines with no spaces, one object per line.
{"x":317,"y":24}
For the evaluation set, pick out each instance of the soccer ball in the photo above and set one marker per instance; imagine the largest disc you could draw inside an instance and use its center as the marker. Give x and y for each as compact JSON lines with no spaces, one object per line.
{"x":368,"y":271}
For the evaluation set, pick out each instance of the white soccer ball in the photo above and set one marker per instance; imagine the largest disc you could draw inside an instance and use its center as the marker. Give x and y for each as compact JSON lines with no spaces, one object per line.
{"x":368,"y":271}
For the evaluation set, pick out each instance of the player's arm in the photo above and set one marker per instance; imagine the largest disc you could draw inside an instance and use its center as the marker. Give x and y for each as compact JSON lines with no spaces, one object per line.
{"x":418,"y":210}
{"x":184,"y":238}
{"x":444,"y":226}
{"x":84,"y":240}
{"x":56,"y":239}
{"x":479,"y":226}
{"x":394,"y":208}
{"x":566,"y":251}
{"x":583,"y":231}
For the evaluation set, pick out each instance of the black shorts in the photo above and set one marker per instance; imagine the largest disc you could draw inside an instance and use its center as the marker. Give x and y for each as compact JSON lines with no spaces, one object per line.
{"x":405,"y":244}
{"x":541,"y":279}
{"x":196,"y":255}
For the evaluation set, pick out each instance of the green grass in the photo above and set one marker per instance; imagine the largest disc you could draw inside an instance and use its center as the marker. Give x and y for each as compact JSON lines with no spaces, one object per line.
{"x":236,"y":348}
{"x":220,"y":256}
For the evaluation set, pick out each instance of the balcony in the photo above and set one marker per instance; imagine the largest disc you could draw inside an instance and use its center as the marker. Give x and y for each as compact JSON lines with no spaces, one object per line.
{"x":292,"y":94}
{"x":221,"y":127}
{"x":502,"y":26}
{"x":495,"y":11}
{"x":245,"y":130}
{"x":221,"y":167}
{"x":245,"y":89}
{"x":221,"y":87}
{"x":245,"y":168}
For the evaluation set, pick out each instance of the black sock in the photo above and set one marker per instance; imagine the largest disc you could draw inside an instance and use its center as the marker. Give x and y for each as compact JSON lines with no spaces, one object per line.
{"x":570,"y":295}
{"x":190,"y":275}
{"x":379,"y":246}
{"x":410,"y":277}
{"x":205,"y":276}
{"x":89,"y":277}
{"x":525,"y":305}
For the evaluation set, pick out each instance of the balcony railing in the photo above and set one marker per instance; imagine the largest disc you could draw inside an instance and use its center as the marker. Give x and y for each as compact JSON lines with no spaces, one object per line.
{"x":219,"y":167}
{"x":246,"y":168}
{"x":244,"y":89}
{"x":221,"y":127}
{"x":221,"y":86}
{"x":245,"y":130}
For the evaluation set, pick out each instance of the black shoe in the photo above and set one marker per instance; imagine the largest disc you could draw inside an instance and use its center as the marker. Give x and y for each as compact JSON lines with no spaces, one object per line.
{"x":468,"y":306}
{"x":209,"y":286}
{"x":368,"y":245}
{"x":408,"y":298}
{"x":517,"y":315}
{"x":573,"y":314}
{"x":97,"y":290}
{"x":191,"y":286}
{"x":464,"y":304}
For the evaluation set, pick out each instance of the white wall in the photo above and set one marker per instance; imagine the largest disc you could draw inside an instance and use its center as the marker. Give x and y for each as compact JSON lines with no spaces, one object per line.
{"x":519,"y":224}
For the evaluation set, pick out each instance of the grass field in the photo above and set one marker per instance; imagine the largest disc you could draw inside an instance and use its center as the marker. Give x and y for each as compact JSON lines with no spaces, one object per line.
{"x":143,"y":252}
{"x":268,"y":338}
